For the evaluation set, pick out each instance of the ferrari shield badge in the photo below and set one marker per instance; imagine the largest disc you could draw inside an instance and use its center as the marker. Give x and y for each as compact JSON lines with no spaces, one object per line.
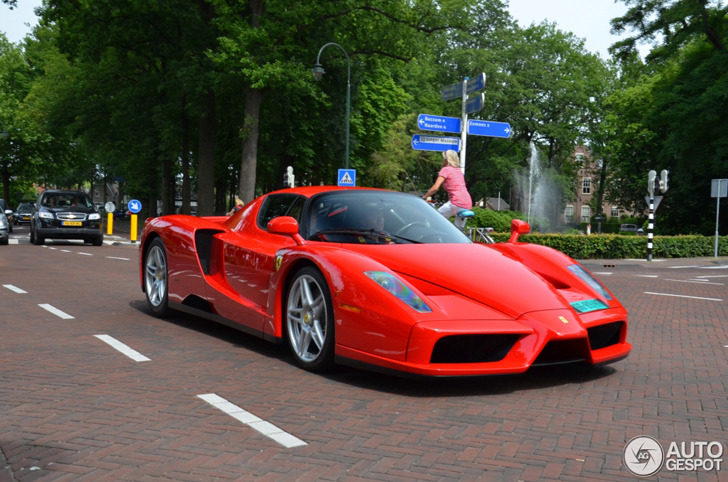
{"x":279,"y":261}
{"x":564,"y":319}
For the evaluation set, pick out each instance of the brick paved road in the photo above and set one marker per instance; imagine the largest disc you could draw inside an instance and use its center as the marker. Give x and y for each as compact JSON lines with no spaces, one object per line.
{"x":73,"y":408}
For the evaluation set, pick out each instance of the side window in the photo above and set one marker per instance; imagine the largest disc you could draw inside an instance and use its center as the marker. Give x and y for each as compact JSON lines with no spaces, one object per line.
{"x":279,"y":205}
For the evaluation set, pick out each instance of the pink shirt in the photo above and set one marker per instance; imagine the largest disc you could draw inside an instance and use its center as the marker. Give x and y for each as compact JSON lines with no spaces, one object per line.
{"x":454,"y":184}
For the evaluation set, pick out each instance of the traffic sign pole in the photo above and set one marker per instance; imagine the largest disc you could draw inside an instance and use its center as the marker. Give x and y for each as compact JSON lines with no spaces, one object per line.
{"x":464,"y":133}
{"x":110,"y":224}
{"x":133,"y":228}
{"x":650,"y":227}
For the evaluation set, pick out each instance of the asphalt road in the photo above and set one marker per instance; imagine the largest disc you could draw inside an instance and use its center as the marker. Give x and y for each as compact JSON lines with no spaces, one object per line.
{"x":75,"y":407}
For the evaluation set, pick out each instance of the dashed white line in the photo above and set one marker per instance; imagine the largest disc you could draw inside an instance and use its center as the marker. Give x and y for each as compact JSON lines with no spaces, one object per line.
{"x":85,"y":254}
{"x":65,"y":251}
{"x":647,"y":275}
{"x":715,"y":267}
{"x":114,"y":257}
{"x":116,"y":344}
{"x":683,"y":296}
{"x":14,"y":288}
{"x":50,"y":247}
{"x":695,"y":282}
{"x":714,"y":276}
{"x":56,"y":311}
{"x":601,"y":272}
{"x":266,"y":428}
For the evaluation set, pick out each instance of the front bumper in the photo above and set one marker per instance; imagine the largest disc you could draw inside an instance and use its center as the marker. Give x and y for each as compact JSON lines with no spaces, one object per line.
{"x":480,"y":347}
{"x":70,"y":233}
{"x":4,"y":236}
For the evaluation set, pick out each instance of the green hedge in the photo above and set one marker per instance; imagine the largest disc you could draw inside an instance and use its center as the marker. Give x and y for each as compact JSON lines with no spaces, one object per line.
{"x":612,"y":246}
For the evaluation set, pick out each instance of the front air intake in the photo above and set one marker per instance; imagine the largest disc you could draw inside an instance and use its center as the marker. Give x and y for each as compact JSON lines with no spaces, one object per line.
{"x":606,"y":335}
{"x":472,"y":348}
{"x":563,"y":351}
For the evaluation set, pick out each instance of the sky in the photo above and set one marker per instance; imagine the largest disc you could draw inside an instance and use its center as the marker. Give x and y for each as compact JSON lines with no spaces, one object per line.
{"x":587,"y":19}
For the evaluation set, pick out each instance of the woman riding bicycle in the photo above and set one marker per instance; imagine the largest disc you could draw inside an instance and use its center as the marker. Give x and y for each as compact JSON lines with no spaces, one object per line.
{"x":452,"y":179}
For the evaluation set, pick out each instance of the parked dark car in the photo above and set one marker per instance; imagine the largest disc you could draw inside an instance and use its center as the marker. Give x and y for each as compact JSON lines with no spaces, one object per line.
{"x":7,"y":212}
{"x":65,"y":215}
{"x":4,"y":228}
{"x":22,"y":214}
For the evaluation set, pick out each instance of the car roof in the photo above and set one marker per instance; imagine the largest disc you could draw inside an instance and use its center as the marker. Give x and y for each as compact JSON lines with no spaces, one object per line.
{"x":310,"y":191}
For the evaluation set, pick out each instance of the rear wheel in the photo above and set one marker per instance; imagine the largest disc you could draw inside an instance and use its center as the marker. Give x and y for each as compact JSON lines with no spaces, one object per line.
{"x":98,"y":241}
{"x":156,"y":278}
{"x":310,"y":320}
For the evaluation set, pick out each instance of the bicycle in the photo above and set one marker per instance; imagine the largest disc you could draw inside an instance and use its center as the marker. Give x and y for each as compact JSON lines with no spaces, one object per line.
{"x":477,"y":235}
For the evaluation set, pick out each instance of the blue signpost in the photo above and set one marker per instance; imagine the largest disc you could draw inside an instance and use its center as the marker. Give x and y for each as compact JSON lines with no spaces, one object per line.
{"x":135,"y":206}
{"x":427,"y":122}
{"x":432,"y":143}
{"x":347,"y":177}
{"x":451,"y":91}
{"x":476,"y":84}
{"x":475,"y":104}
{"x":489,"y":128}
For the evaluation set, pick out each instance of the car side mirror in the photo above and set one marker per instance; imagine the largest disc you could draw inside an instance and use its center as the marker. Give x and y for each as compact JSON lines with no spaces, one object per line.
{"x":285,"y":226}
{"x":518,"y":227}
{"x":8,"y":211}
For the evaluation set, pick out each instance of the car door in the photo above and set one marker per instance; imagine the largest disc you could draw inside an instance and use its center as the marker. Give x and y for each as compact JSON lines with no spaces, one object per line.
{"x":249,"y":258}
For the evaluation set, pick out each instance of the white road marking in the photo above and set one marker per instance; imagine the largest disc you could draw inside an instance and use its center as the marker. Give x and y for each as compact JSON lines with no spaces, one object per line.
{"x":114,"y":257}
{"x":56,"y":311}
{"x":266,"y":428}
{"x":695,"y":282}
{"x":600,"y":272}
{"x":86,"y":254}
{"x":647,"y":275}
{"x":116,"y":344}
{"x":678,"y":267}
{"x":49,"y":247}
{"x":14,"y":288}
{"x":683,"y":296}
{"x":65,"y":251}
{"x":715,"y":267}
{"x":715,"y":276}
{"x":653,"y":261}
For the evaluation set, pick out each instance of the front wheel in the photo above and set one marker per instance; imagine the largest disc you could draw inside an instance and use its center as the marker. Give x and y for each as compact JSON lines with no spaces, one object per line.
{"x":156,"y":278}
{"x":310,"y":320}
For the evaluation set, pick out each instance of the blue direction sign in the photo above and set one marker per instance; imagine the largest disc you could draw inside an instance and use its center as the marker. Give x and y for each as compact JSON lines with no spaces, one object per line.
{"x":451,"y":91}
{"x":432,"y":143}
{"x":135,"y":206}
{"x":489,"y":128}
{"x":347,"y":177}
{"x":427,"y":122}
{"x":475,"y":104}
{"x":476,"y":83}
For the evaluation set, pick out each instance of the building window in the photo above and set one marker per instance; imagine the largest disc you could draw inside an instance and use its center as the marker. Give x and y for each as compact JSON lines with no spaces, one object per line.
{"x":615,"y":212}
{"x":585,"y":214}
{"x":569,"y":214}
{"x":580,"y":159}
{"x":586,"y":186}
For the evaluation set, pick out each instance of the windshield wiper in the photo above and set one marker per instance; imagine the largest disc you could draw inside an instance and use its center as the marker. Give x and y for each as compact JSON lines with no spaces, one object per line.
{"x":365,"y":232}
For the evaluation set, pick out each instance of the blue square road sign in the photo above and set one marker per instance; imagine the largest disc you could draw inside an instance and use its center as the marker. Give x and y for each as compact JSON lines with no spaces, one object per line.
{"x":347,"y":177}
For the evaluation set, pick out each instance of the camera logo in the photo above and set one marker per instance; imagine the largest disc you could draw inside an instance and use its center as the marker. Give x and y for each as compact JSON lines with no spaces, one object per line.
{"x":643,"y":456}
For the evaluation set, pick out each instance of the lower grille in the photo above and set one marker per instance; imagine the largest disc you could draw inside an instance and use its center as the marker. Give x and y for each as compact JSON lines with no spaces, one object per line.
{"x":563,"y":351}
{"x":472,"y":348}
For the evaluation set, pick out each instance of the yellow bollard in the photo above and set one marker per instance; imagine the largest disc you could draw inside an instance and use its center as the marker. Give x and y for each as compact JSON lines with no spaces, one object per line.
{"x":133,"y":228}
{"x":110,"y":224}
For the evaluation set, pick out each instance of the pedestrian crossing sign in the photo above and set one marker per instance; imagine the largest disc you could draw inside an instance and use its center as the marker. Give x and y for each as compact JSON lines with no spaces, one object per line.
{"x":347,"y":177}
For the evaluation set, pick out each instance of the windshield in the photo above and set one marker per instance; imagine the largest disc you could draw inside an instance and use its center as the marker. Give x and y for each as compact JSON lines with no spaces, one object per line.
{"x":24,"y":208}
{"x":377,"y":217}
{"x":61,"y":200}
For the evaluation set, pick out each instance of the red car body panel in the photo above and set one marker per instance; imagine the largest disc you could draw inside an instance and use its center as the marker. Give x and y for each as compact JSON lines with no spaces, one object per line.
{"x":517,"y":294}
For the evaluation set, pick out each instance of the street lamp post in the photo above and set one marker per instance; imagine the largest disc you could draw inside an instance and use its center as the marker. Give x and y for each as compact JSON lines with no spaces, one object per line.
{"x":318,"y":72}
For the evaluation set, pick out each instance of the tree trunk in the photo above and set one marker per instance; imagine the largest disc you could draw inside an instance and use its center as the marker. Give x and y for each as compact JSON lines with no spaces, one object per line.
{"x":206,"y":157}
{"x":253,"y":100}
{"x":166,"y":186}
{"x":6,"y":182}
{"x":186,"y":187}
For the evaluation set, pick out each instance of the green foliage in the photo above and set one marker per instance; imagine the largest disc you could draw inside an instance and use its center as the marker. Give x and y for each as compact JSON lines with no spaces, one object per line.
{"x":610,"y":246}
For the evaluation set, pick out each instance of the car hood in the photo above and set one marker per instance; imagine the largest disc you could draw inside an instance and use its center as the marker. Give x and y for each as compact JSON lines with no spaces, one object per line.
{"x":472,"y":270}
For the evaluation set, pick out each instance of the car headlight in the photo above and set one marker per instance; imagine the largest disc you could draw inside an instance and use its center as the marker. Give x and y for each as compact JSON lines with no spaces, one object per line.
{"x":94,"y":217}
{"x":45,"y":215}
{"x":587,"y":277}
{"x":3,"y":222}
{"x":395,"y":286}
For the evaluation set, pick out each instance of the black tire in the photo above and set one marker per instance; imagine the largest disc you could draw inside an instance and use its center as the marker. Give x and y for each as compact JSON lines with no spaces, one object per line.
{"x":35,"y":239}
{"x":32,"y":235}
{"x":4,"y":242}
{"x":310,"y":322}
{"x":98,"y":241}
{"x":156,"y":278}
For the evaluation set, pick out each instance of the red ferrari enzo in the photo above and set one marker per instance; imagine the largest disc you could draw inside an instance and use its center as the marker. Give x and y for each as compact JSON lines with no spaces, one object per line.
{"x":380,"y":279}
